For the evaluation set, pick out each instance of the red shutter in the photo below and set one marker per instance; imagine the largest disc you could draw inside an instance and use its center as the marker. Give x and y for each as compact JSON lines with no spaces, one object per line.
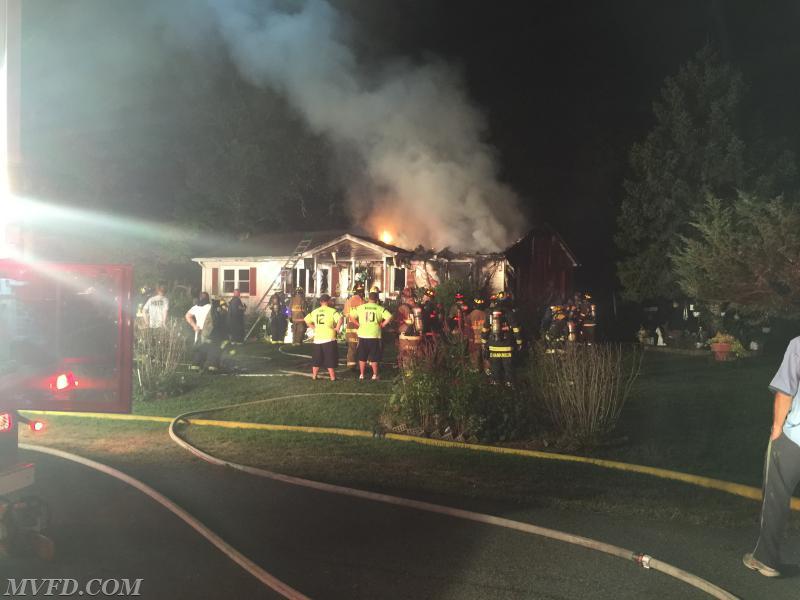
{"x":214,"y":281}
{"x":410,"y":279}
{"x":333,"y":283}
{"x":253,"y":281}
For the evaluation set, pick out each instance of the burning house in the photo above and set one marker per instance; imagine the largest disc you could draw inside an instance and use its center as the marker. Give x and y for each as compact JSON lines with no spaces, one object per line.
{"x":537,"y":267}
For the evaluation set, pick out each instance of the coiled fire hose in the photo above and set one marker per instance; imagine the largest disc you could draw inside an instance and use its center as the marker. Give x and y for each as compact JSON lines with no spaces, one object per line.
{"x":644,"y":560}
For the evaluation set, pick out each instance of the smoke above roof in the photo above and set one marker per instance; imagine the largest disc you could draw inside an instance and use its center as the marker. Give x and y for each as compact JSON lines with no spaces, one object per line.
{"x":426,"y":172}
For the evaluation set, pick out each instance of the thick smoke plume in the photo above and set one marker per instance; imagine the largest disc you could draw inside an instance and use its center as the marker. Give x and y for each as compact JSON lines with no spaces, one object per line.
{"x":428,"y":176}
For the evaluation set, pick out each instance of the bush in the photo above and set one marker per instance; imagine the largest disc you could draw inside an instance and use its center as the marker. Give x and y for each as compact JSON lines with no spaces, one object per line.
{"x":439,"y":391}
{"x":447,"y":289}
{"x":158,"y":354}
{"x":584,"y":388}
{"x":418,"y":391}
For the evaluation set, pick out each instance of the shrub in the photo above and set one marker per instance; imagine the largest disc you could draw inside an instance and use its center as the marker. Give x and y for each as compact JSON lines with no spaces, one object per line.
{"x":584,"y":388}
{"x":158,"y":354}
{"x":440,"y":390}
{"x":418,"y":391}
{"x":447,"y":289}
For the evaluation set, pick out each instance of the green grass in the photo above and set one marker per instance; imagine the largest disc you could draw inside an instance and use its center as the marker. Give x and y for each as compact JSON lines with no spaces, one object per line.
{"x":507,"y":483}
{"x":135,"y":442}
{"x":686,"y":413}
{"x":694,"y":415}
{"x":211,"y":391}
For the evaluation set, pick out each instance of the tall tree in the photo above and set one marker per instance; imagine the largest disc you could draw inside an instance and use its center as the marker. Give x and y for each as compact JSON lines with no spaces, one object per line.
{"x":694,"y":149}
{"x":250,"y":165}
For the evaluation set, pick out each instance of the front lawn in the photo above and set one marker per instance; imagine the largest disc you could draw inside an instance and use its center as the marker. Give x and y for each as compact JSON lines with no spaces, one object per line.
{"x":686,"y":413}
{"x":691,"y":414}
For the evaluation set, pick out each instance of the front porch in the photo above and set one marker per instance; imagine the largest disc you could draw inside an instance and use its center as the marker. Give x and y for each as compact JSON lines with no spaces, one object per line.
{"x":335,"y":267}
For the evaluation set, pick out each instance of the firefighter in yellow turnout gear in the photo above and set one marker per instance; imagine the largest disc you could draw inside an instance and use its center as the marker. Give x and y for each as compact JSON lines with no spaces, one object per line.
{"x":501,"y":337}
{"x":351,"y":331}
{"x":476,"y":319}
{"x":298,"y":308}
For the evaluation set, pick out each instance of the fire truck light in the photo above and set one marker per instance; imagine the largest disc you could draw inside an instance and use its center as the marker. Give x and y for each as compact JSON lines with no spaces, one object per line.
{"x":36,"y":426}
{"x":5,"y":422}
{"x":386,"y":237}
{"x":63,"y":381}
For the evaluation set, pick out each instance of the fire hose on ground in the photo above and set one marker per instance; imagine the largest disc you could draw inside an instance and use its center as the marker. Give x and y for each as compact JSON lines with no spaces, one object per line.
{"x":644,"y":560}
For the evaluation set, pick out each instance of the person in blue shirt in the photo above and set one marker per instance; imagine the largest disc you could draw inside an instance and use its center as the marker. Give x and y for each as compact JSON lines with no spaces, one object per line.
{"x":782,"y":469}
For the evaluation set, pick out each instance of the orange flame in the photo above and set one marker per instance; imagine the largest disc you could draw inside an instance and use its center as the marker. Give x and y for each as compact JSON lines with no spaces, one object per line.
{"x":386,"y":237}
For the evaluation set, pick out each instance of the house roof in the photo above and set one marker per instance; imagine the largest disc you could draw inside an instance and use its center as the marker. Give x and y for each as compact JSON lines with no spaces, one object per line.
{"x":283,"y":245}
{"x":368,"y":242}
{"x":268,"y":245}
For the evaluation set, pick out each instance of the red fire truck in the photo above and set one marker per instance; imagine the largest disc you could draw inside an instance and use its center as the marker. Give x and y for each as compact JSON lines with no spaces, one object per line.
{"x":65,"y":345}
{"x":65,"y":329}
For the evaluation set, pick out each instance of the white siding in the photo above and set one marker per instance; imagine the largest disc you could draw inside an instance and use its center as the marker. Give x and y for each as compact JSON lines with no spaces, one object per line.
{"x":266,"y":271}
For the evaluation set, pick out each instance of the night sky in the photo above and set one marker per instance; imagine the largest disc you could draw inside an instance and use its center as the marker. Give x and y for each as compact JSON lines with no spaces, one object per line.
{"x":566,"y":87}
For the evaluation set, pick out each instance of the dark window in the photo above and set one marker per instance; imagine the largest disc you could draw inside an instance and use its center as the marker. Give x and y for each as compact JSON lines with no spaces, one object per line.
{"x":459,"y":270}
{"x":399,"y":280}
{"x":323,"y":282}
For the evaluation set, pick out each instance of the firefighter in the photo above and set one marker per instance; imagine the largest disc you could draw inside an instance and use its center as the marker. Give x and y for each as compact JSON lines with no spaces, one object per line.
{"x":588,"y":312}
{"x":475,"y":321}
{"x":351,"y":332}
{"x":409,"y":326}
{"x":554,"y":327}
{"x":458,"y":317}
{"x":405,"y":311}
{"x":500,"y":337}
{"x":218,"y":338}
{"x":236,"y":310}
{"x":298,"y":307}
{"x":431,"y":316}
{"x":277,"y":320}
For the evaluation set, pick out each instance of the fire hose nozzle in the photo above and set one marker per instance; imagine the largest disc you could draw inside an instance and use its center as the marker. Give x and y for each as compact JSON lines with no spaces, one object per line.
{"x":643,"y":560}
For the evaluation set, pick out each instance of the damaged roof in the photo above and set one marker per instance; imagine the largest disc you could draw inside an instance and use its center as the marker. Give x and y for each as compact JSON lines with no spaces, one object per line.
{"x":283,"y":245}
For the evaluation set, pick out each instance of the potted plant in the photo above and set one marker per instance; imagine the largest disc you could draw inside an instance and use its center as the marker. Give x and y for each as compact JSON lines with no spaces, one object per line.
{"x":724,"y":345}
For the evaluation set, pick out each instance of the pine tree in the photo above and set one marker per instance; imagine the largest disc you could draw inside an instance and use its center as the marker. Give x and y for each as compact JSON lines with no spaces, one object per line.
{"x":745,"y":254}
{"x":695,"y":149}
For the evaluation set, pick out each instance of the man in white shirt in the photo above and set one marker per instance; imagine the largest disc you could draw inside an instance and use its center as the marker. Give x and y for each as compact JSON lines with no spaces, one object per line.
{"x":197,"y":316}
{"x":156,"y":308}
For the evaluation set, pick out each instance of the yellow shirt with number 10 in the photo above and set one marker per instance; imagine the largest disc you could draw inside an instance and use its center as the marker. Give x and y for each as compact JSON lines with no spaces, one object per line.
{"x":370,"y":316}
